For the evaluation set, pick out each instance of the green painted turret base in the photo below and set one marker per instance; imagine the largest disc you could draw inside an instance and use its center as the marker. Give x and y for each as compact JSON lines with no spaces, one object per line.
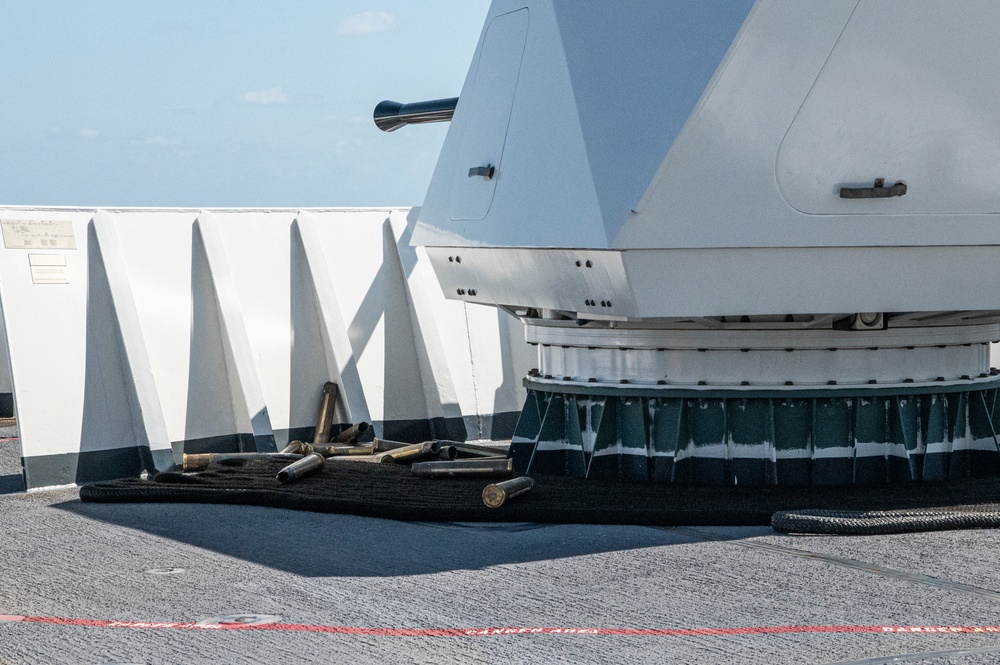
{"x":760,"y":437}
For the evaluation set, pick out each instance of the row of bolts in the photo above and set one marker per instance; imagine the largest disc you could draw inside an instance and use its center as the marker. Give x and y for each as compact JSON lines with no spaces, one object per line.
{"x":309,"y":458}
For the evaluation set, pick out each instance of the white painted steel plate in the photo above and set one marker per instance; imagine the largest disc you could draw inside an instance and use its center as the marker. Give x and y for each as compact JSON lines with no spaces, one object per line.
{"x":902,"y":97}
{"x":490,"y":102}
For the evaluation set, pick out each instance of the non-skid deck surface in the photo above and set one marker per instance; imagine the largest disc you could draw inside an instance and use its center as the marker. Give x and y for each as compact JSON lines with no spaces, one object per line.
{"x":389,"y":491}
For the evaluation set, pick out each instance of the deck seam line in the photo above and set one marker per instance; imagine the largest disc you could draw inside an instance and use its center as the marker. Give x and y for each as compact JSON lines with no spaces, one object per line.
{"x":924,"y":655}
{"x":854,"y":564}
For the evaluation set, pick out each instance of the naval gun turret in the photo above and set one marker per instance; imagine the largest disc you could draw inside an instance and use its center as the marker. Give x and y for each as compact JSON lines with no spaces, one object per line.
{"x":753,"y":242}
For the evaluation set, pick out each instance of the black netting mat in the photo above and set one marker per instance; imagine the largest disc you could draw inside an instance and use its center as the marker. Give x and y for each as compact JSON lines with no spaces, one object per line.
{"x":389,"y":491}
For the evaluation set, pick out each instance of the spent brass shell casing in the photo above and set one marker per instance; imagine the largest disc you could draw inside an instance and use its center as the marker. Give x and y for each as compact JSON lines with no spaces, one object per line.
{"x":467,"y":451}
{"x":385,"y":445}
{"x":309,"y":464}
{"x":327,"y":403}
{"x":448,"y":452}
{"x":292,"y":447}
{"x":475,"y":450}
{"x":298,"y":447}
{"x":352,"y":433}
{"x":443,"y":450}
{"x":496,"y":494}
{"x":200,"y":461}
{"x":334,"y":451}
{"x":498,"y":468}
{"x":412,"y":453}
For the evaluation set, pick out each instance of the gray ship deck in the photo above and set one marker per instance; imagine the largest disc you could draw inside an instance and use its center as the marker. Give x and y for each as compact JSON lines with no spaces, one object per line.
{"x":369,"y":590}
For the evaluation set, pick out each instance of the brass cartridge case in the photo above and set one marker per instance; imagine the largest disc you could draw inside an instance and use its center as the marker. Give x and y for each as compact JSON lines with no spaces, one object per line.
{"x":352,"y":433}
{"x":299,"y":448}
{"x":303,"y":467}
{"x":467,"y":451}
{"x":198,"y":462}
{"x":411,"y":453}
{"x":333,"y":451}
{"x":465,"y":468}
{"x":443,"y":450}
{"x":327,"y":404}
{"x":384,"y":445}
{"x":496,"y":494}
{"x":474,"y":450}
{"x":293,"y":447}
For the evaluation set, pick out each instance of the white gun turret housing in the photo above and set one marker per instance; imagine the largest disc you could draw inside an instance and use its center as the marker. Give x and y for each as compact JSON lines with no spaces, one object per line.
{"x":754,"y":242}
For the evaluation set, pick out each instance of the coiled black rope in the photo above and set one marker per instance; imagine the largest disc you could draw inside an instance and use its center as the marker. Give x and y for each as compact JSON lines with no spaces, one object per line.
{"x":879,"y":522}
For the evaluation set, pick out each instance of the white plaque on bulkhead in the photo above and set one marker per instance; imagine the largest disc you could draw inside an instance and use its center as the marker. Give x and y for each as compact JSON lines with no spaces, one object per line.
{"x":38,"y":234}
{"x":48,"y":269}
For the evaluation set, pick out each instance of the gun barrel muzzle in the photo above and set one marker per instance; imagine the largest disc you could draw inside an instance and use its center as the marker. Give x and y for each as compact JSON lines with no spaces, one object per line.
{"x":390,"y":116}
{"x":496,"y":494}
{"x":465,"y":468}
{"x":305,"y":466}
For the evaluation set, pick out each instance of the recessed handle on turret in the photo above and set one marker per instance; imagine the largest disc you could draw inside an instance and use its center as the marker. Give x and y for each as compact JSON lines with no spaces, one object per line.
{"x":483,"y":171}
{"x":879,"y":191}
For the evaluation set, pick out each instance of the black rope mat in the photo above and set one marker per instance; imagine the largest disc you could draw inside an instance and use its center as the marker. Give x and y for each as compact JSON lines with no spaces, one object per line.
{"x":389,"y":491}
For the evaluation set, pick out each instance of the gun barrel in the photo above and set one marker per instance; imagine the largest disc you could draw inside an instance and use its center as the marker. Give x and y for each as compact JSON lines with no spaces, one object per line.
{"x":498,"y":467}
{"x":496,"y":494}
{"x":390,"y":116}
{"x":309,"y":464}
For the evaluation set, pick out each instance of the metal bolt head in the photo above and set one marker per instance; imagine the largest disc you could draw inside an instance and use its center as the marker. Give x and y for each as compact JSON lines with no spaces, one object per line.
{"x":868,"y":318}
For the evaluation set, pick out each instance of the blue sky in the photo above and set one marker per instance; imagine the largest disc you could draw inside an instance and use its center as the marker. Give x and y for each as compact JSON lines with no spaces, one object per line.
{"x":223,"y":102}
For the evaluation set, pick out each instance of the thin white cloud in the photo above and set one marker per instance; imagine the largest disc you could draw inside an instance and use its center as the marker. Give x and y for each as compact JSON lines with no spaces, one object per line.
{"x":367,"y":23}
{"x":274,"y":95}
{"x":89,"y":133}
